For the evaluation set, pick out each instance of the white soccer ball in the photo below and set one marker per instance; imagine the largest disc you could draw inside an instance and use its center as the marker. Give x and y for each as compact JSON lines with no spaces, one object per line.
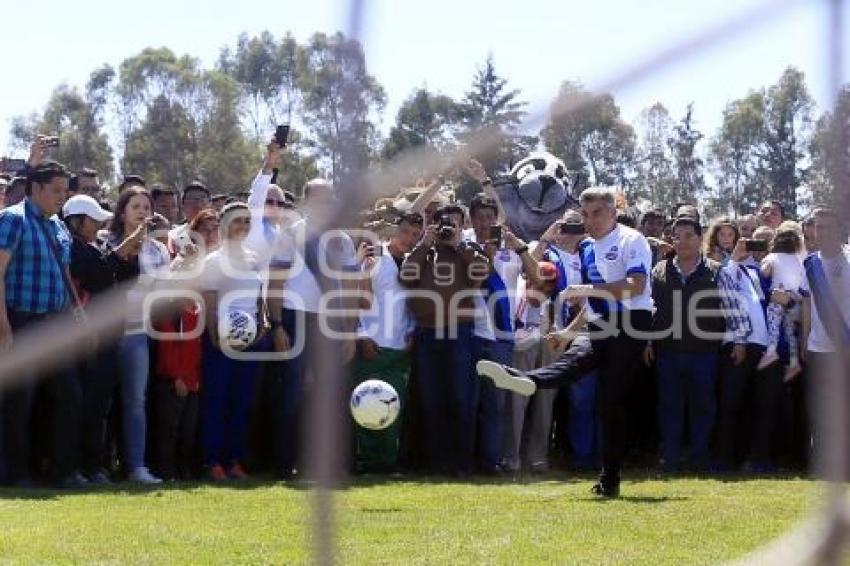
{"x":375,"y":404}
{"x":238,"y":329}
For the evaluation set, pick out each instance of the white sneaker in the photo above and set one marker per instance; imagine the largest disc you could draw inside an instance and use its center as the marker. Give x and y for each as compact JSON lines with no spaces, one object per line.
{"x":142,"y":475}
{"x":506,"y":378}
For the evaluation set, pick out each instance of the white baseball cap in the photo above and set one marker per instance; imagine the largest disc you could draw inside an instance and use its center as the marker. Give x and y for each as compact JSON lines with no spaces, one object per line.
{"x":84,"y":204}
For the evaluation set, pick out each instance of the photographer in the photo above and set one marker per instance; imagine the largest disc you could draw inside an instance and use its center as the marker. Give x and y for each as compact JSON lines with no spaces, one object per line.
{"x":494,"y":325}
{"x":444,"y":276}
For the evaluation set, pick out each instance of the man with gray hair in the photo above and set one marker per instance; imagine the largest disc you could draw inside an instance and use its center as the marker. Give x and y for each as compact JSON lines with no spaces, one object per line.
{"x":615,"y":263}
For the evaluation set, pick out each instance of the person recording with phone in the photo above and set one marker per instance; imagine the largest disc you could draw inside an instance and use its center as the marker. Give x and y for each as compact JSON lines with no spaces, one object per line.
{"x":494,"y":322}
{"x":145,"y":261}
{"x":745,"y":394}
{"x":385,"y":333}
{"x":93,"y":272}
{"x":444,"y":274}
{"x":303,"y":263}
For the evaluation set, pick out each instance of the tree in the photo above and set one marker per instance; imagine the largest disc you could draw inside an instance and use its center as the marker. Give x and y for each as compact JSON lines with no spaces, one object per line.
{"x":688,"y":167}
{"x":829,"y":176}
{"x":762,"y":143}
{"x":423,"y":119}
{"x":492,"y":111}
{"x":656,"y":179}
{"x":590,"y":136}
{"x":736,"y":156}
{"x":787,"y":129}
{"x":162,"y":148}
{"x":183,"y":123}
{"x":266,"y":71}
{"x":154,"y":75}
{"x":76,"y":120}
{"x":220,"y":134}
{"x":343,"y":103}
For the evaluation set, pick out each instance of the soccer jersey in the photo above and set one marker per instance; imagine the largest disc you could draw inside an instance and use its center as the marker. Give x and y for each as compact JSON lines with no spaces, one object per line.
{"x":496,"y":304}
{"x":620,"y":253}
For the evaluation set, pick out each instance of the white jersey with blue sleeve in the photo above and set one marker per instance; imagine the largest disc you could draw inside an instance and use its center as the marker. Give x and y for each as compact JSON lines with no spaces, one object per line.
{"x":620,"y":253}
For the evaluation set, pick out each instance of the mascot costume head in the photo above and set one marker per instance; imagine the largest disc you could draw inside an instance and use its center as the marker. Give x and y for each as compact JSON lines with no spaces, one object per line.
{"x":535,"y":194}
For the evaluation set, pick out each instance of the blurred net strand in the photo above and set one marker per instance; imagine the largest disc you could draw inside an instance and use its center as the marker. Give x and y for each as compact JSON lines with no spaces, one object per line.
{"x":327,"y":421}
{"x":824,"y":536}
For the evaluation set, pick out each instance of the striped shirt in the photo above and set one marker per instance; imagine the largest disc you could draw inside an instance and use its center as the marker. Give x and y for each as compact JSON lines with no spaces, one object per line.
{"x":34,"y":282}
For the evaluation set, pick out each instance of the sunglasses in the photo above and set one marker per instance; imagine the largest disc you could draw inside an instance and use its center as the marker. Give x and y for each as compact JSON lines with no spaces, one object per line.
{"x":279,"y":203}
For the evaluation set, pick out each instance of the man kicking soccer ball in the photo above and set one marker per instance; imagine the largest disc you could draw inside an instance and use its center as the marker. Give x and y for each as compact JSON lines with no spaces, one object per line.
{"x":615,"y":263}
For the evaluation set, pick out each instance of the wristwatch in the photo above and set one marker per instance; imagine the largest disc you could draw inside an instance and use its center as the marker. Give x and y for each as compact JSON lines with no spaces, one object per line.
{"x":521,"y":250}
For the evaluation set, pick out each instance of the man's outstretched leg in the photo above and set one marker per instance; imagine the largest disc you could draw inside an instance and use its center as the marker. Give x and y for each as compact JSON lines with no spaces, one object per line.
{"x":577,"y":361}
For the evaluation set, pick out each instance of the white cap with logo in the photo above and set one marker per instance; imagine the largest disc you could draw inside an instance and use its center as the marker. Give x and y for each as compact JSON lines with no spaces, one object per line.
{"x":84,"y":204}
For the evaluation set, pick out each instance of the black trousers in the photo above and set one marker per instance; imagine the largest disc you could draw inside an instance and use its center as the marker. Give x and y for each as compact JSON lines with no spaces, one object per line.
{"x":175,"y":428}
{"x":615,"y":357}
{"x":61,"y":392}
{"x":829,"y":397}
{"x":98,"y":379}
{"x":748,"y":400}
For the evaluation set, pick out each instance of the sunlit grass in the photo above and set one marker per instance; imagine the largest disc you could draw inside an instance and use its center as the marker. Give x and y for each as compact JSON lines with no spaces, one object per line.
{"x":419,"y":520}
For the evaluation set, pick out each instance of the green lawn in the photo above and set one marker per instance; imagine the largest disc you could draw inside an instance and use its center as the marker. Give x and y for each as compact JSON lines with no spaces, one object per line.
{"x":420,"y":521}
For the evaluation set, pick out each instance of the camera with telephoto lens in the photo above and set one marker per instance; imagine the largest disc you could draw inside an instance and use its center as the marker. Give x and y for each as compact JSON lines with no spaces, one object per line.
{"x":445,"y":228}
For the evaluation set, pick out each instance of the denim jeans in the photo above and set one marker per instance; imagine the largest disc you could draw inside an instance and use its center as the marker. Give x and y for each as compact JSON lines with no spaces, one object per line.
{"x":491,"y":403}
{"x":135,"y":367}
{"x":447,"y":393}
{"x":686,"y":380}
{"x":227,"y":395}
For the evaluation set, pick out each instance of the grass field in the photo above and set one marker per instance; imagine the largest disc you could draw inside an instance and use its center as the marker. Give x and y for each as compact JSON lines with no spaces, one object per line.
{"x":410,"y":521}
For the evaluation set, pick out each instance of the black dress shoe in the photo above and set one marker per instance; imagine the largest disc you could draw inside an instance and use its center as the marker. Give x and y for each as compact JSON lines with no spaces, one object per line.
{"x":608,"y":491}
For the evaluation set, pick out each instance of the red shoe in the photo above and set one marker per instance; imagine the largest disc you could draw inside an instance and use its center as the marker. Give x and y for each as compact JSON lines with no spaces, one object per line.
{"x":217,"y":473}
{"x":237,"y":472}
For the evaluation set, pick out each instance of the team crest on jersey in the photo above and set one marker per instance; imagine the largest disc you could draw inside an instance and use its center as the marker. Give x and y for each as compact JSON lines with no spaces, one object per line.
{"x":505,"y":255}
{"x":611,"y":254}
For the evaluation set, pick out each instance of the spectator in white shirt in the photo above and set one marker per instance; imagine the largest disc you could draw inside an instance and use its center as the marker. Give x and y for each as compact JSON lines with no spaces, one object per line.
{"x":385,"y":338}
{"x":301,"y":264}
{"x":826,"y":336}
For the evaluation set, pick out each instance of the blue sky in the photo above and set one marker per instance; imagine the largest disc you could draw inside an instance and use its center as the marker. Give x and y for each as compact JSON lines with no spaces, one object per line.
{"x":438,"y":43}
